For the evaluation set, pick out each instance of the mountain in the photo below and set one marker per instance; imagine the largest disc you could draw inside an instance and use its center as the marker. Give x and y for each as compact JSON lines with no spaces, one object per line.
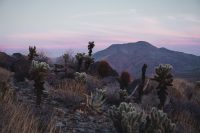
{"x":131,"y":57}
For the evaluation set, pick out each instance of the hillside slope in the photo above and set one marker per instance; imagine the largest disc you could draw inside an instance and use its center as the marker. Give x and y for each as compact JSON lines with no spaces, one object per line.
{"x":131,"y":57}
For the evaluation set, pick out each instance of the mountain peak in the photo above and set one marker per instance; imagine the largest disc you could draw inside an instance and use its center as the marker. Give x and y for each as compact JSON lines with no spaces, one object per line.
{"x":144,"y":43}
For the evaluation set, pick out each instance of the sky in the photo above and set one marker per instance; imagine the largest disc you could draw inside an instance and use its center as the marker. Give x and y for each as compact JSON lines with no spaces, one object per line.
{"x":55,"y":26}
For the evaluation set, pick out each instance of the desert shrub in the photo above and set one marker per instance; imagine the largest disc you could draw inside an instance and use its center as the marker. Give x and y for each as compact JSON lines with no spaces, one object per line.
{"x":129,"y":119}
{"x":104,"y":69}
{"x":4,"y":81}
{"x":113,"y":94}
{"x":41,"y":57}
{"x":71,"y":92}
{"x":164,"y":78}
{"x":38,"y":73}
{"x":124,"y":80}
{"x":19,"y":118}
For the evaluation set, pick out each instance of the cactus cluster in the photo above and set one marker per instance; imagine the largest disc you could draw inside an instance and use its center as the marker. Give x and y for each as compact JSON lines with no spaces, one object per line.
{"x":129,"y":119}
{"x":38,"y":73}
{"x":158,"y":122}
{"x":164,"y":78}
{"x":96,"y":100}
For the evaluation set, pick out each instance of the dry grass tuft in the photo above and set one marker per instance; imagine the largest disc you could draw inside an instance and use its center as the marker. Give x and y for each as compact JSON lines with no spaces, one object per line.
{"x":18,"y":118}
{"x":70,"y":91}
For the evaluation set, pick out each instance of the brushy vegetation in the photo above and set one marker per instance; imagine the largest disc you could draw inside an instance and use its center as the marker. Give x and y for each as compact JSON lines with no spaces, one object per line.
{"x":124,"y":80}
{"x":19,"y":118}
{"x":71,"y":92}
{"x":104,"y":68}
{"x":4,"y":82}
{"x":129,"y":103}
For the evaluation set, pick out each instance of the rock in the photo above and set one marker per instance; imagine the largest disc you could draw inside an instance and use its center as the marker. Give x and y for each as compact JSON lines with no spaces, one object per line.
{"x":6,"y":61}
{"x":21,"y":68}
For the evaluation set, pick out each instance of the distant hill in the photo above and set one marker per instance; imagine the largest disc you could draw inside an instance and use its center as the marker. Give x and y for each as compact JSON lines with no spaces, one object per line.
{"x":131,"y":57}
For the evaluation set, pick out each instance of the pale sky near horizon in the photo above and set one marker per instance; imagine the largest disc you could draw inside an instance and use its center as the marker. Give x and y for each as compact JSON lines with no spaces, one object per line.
{"x":58,"y":25}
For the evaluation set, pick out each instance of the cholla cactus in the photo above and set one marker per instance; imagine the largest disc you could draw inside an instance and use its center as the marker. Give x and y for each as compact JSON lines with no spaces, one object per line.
{"x":38,"y":72}
{"x":32,"y":53}
{"x":158,"y":122}
{"x":81,"y":77}
{"x":164,"y":78}
{"x":88,"y":61}
{"x":129,"y":119}
{"x":79,"y":58}
{"x":90,"y":47}
{"x":126,"y":118}
{"x":96,"y":100}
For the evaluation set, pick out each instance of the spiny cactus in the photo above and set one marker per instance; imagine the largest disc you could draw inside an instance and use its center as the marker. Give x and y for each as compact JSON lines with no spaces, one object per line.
{"x":79,"y":58}
{"x":32,"y":53}
{"x":96,"y":100}
{"x":38,"y":72}
{"x":129,"y":119}
{"x":66,"y":58}
{"x":126,"y":118}
{"x":88,"y":61}
{"x":124,"y":80}
{"x":81,"y":77}
{"x":90,"y":47}
{"x":164,"y":78}
{"x":158,"y":122}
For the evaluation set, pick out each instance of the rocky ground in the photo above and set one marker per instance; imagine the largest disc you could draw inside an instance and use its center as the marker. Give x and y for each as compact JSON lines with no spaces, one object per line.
{"x":68,"y":119}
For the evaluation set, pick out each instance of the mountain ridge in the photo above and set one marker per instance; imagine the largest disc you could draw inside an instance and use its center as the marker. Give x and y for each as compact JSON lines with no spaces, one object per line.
{"x":131,"y":57}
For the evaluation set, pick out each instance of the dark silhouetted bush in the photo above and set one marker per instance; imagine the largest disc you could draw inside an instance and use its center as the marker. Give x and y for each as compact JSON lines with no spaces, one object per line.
{"x":104,"y":69}
{"x":124,"y":80}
